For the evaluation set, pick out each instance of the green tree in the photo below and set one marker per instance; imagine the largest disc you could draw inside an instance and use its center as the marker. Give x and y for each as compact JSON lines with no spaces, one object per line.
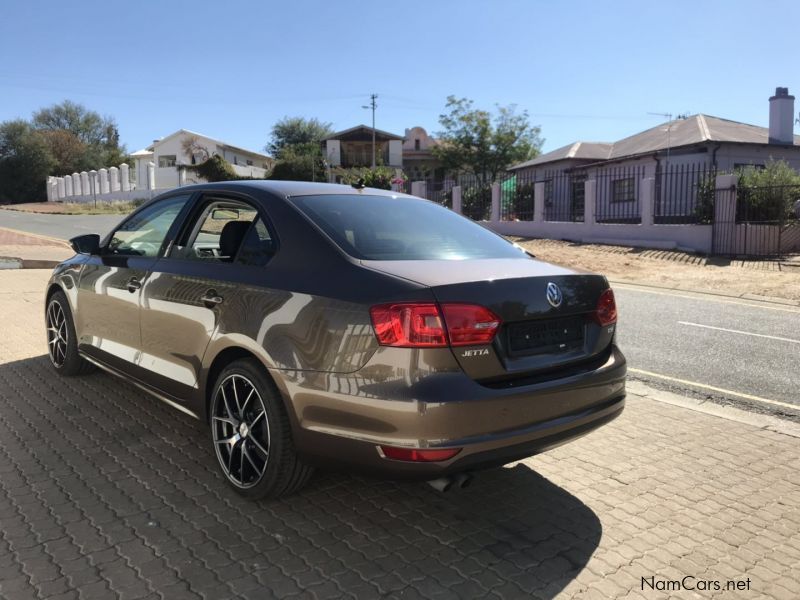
{"x":296,"y":144}
{"x":25,"y":162}
{"x":296,"y":133}
{"x":483,"y":144}
{"x":80,"y":138}
{"x":300,"y":162}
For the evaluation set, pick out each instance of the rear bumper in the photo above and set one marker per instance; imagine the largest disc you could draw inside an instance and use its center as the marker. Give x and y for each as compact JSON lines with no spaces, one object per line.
{"x":449,"y":410}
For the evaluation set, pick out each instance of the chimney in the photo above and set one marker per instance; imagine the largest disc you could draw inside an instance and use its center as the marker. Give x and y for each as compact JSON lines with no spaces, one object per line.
{"x":781,"y":117}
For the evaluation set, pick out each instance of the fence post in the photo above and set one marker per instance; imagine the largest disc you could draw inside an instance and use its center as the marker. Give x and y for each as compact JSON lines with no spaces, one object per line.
{"x":151,"y":176}
{"x":418,"y":188}
{"x":495,"y":216}
{"x":456,"y":190}
{"x":85,"y":183}
{"x":76,"y":184}
{"x":589,"y":201}
{"x":538,"y":202}
{"x":102,"y":174}
{"x":113,"y":179}
{"x":124,"y":177}
{"x":647,"y":199}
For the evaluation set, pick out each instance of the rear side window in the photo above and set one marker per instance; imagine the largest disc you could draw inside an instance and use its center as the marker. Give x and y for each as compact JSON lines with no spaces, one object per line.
{"x":400,"y":228}
{"x":226,"y":231}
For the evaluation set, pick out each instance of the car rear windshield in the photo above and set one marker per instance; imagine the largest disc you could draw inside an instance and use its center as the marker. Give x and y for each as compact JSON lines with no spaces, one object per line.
{"x":401,"y":228}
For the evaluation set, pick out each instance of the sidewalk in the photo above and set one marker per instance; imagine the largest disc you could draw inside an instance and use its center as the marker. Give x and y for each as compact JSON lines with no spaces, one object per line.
{"x":108,"y":491}
{"x":29,"y":251}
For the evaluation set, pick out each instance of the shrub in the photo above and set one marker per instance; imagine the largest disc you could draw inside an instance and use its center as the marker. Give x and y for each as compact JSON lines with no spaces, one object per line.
{"x":215,"y":168}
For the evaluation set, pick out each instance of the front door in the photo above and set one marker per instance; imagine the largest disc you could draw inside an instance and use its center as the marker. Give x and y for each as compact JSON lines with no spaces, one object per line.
{"x":110,"y":285}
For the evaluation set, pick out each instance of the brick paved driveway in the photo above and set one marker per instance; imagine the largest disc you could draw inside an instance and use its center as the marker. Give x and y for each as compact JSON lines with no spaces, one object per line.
{"x":107,"y":493}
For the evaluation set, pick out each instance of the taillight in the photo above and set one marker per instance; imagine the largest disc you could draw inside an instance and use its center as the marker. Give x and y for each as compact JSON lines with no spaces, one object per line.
{"x":408,"y":325}
{"x":419,"y":455}
{"x":469,"y":325}
{"x":606,"y":311}
{"x":422,"y":325}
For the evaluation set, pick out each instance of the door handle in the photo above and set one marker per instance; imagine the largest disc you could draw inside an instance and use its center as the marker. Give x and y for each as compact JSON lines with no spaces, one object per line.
{"x":211,"y":299}
{"x":134,"y":284}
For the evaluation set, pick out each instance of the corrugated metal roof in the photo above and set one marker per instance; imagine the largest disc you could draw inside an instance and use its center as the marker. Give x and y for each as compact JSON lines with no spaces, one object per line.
{"x":578,"y":150}
{"x":695,"y":129}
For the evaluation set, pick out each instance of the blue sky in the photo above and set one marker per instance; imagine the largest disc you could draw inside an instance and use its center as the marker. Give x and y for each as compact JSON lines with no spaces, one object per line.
{"x":583,"y":70}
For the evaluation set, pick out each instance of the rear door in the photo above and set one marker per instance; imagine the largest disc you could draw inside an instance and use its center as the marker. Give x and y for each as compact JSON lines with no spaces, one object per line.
{"x":201,"y":275}
{"x":109,"y":290}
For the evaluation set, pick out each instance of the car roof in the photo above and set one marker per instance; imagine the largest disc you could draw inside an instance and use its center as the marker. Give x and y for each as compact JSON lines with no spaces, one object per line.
{"x":287,"y":188}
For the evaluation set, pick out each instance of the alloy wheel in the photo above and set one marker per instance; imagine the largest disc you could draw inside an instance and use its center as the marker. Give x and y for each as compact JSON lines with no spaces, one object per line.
{"x":57,"y":333}
{"x":240,"y":430}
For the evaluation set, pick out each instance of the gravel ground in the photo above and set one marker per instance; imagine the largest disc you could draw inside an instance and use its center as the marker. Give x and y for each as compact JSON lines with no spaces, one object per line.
{"x":674,"y":269}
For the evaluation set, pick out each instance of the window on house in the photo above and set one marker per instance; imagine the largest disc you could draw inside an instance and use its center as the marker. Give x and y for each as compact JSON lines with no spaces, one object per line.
{"x":416,"y":144}
{"x":167,"y":160}
{"x":236,"y":160}
{"x":249,"y":163}
{"x":745,"y":166}
{"x":623,"y":190}
{"x":548,"y":192}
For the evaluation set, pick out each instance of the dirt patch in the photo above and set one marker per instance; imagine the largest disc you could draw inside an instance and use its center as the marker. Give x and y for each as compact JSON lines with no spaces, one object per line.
{"x":674,"y":269}
{"x":117,"y":207}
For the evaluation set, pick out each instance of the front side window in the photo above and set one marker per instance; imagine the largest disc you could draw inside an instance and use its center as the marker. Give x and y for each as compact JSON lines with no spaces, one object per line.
{"x":623,"y":190}
{"x":144,"y":233}
{"x":167,"y":160}
{"x":226,"y":231}
{"x":391,"y":228}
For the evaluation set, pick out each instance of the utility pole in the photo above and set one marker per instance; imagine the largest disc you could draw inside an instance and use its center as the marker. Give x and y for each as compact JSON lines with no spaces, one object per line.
{"x":373,"y":105}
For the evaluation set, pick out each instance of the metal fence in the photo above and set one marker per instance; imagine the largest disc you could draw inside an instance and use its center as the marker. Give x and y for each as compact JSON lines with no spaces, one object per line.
{"x":476,"y":198}
{"x":762,"y":221}
{"x":516,"y":197}
{"x":618,"y":194}
{"x":684,"y":193}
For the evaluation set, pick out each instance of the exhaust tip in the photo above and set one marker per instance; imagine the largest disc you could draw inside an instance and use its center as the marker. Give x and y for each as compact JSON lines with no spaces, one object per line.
{"x":442,"y":484}
{"x":463,"y":480}
{"x":445,"y":484}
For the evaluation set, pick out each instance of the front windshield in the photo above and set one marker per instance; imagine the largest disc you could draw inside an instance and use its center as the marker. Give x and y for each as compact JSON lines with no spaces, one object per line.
{"x":401,"y":228}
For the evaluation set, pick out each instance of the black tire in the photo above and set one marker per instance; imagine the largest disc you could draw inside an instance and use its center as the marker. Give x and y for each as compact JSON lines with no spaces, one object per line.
{"x":62,"y":342}
{"x":251,"y":434}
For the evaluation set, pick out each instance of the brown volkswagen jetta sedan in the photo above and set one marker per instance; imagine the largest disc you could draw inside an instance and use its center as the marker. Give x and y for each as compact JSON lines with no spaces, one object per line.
{"x":325,"y":325}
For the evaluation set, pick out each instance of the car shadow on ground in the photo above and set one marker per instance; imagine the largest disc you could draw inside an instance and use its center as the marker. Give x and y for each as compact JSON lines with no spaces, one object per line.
{"x":96,"y":470}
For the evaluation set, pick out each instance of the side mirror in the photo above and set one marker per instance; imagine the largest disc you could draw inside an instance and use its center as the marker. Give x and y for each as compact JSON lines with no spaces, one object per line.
{"x":86,"y":244}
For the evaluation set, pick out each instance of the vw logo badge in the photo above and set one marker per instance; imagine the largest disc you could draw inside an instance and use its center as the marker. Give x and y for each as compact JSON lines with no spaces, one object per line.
{"x":554,"y":296}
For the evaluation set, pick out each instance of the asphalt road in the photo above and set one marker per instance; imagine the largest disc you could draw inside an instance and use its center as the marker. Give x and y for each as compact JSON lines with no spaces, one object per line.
{"x":58,"y":226}
{"x":743,"y":347}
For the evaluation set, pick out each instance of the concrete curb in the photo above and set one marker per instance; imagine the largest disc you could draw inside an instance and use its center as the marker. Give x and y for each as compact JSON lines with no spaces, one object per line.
{"x":730,"y":413}
{"x":10,"y":262}
{"x":14,"y":262}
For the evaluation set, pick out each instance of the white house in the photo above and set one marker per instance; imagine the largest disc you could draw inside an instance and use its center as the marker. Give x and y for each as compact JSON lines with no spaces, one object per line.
{"x":186,"y":147}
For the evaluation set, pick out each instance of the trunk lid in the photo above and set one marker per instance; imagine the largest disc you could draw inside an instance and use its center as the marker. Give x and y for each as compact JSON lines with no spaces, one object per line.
{"x":536,"y":337}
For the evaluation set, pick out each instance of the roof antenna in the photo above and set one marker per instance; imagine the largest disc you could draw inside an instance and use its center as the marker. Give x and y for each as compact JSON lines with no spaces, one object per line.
{"x":359,"y":183}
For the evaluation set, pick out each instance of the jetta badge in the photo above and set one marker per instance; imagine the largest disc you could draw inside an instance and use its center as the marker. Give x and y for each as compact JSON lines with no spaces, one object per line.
{"x":554,"y":296}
